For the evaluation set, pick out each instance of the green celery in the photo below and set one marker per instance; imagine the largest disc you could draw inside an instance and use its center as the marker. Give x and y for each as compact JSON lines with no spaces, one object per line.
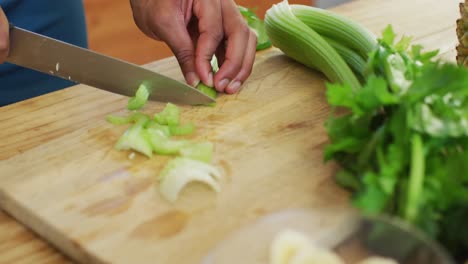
{"x":202,"y":151}
{"x":140,"y":98}
{"x":182,"y":130}
{"x":163,"y":145}
{"x":169,"y":116}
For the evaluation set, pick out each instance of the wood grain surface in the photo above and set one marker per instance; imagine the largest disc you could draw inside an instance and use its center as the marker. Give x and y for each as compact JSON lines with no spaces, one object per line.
{"x":61,"y":177}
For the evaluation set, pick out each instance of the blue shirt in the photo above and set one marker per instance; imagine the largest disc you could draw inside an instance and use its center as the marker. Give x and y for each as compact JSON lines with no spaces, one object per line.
{"x":59,"y":19}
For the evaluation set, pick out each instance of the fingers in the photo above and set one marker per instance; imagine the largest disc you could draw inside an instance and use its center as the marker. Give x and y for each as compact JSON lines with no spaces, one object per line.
{"x":4,"y":36}
{"x":220,"y":52}
{"x":210,"y":31}
{"x":181,"y":45}
{"x":238,"y":36}
{"x":247,"y":65}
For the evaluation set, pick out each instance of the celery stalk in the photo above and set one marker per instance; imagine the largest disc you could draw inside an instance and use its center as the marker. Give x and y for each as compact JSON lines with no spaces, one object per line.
{"x":337,"y":27}
{"x":306,"y":46}
{"x":140,"y":98}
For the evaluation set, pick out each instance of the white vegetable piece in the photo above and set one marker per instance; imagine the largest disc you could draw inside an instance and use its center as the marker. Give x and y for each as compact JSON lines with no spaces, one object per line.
{"x":378,"y":260}
{"x":292,"y":247}
{"x":286,"y":245}
{"x":181,"y":171}
{"x":316,"y":255}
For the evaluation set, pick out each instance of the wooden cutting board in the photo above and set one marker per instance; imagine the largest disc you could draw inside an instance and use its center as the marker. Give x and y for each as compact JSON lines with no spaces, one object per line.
{"x":64,"y":180}
{"x":97,"y":205}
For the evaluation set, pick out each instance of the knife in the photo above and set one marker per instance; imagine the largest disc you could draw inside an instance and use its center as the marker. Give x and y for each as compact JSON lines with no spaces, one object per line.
{"x":70,"y":62}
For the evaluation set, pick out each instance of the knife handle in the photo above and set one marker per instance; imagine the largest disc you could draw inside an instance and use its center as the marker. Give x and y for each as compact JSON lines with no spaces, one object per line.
{"x":11,"y":26}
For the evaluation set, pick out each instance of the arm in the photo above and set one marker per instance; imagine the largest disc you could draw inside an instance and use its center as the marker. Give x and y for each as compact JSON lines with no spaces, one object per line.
{"x":4,"y":36}
{"x":195,"y":30}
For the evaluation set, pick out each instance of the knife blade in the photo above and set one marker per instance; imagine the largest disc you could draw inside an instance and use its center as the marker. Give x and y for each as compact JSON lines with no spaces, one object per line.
{"x":70,"y":62}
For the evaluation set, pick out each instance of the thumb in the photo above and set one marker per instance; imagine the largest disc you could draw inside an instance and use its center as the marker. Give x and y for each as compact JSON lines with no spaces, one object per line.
{"x":4,"y":36}
{"x":179,"y":41}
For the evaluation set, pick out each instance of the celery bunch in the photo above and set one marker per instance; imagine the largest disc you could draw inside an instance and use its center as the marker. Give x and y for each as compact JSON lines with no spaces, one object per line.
{"x":334,"y":45}
{"x":402,"y":141}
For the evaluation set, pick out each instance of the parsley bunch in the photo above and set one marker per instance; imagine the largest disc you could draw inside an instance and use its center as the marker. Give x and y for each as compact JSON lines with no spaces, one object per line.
{"x":402,"y":140}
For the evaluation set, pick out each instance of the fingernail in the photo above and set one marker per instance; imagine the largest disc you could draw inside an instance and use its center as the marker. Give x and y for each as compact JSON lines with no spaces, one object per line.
{"x":222,"y":84}
{"x":233,"y":87}
{"x":193,"y":79}
{"x":210,"y":80}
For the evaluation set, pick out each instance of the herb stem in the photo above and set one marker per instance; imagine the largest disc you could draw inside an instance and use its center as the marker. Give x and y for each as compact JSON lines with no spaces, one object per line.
{"x":416,"y":179}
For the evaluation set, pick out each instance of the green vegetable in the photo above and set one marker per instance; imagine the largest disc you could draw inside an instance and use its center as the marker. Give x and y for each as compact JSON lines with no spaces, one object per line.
{"x":182,"y":130}
{"x":338,"y":28}
{"x":402,"y":143}
{"x":140,"y":98}
{"x":181,"y":171}
{"x":118,"y":120}
{"x":354,"y":60}
{"x":210,"y":91}
{"x":258,"y":26}
{"x":169,"y":116}
{"x":148,"y":135}
{"x":161,"y":144}
{"x":135,"y":138}
{"x":402,"y":139}
{"x":305,"y":45}
{"x":153,"y":125}
{"x":202,"y":151}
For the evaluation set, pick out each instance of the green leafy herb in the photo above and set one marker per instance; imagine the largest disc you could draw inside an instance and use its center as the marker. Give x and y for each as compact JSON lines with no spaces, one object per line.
{"x":402,"y":142}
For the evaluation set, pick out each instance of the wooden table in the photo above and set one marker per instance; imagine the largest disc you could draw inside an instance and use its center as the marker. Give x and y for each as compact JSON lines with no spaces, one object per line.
{"x":431,"y":22}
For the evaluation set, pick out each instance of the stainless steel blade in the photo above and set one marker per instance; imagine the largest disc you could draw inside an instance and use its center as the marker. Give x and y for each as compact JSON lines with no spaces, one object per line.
{"x":84,"y":66}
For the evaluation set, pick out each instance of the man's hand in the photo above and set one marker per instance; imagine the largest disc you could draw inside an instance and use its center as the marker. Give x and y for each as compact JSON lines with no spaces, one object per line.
{"x":4,"y":36}
{"x":195,"y":30}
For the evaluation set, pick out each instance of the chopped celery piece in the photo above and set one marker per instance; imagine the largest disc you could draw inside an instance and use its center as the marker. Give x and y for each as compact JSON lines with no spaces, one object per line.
{"x":257,"y":25}
{"x":140,"y":98}
{"x":181,"y":171}
{"x":140,"y":118}
{"x":214,"y":64}
{"x":118,"y":120}
{"x":137,"y":118}
{"x":169,"y":116}
{"x":210,"y":91}
{"x":163,"y":145}
{"x":156,"y":126}
{"x":182,"y":130}
{"x":135,"y":138}
{"x":202,"y":151}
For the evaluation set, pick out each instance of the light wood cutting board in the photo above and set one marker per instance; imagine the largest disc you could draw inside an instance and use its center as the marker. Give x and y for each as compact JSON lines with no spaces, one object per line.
{"x":98,"y":206}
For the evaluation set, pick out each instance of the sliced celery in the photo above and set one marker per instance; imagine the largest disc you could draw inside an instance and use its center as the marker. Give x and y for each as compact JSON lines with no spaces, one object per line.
{"x":118,"y":120}
{"x":202,"y":151}
{"x":140,"y":118}
{"x":214,"y":64}
{"x":169,"y":116}
{"x":210,"y":91}
{"x":135,"y":138}
{"x":182,"y":130}
{"x":140,"y":98}
{"x":156,"y":126}
{"x":181,"y":171}
{"x":163,"y":145}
